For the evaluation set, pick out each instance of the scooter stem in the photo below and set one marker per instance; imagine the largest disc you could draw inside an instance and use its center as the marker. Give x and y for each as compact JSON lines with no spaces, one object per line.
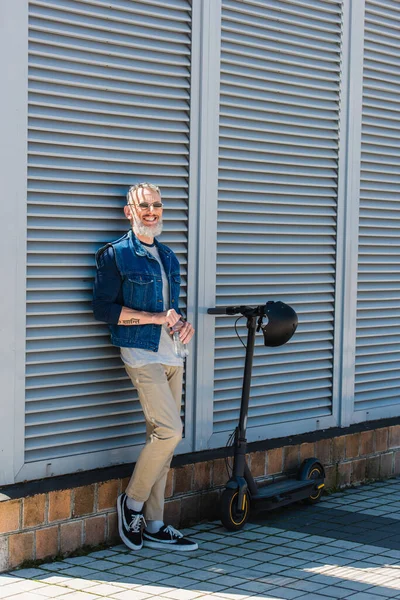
{"x":248,"y":365}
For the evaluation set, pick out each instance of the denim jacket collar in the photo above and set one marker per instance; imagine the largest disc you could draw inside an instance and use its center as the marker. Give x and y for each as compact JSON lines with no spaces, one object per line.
{"x":140,"y":250}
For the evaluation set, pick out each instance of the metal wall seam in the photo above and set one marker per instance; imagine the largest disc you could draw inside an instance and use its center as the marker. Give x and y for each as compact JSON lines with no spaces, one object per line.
{"x":348,"y":212}
{"x":13,"y":171}
{"x":209,"y":46}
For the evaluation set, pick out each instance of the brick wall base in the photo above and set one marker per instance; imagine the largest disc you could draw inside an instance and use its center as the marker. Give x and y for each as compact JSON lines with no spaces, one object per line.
{"x":57,"y":523}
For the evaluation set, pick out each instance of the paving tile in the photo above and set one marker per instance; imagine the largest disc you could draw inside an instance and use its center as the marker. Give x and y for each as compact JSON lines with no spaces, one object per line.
{"x":100,"y":565}
{"x":270,"y":568}
{"x":332,"y":560}
{"x":6,"y":579}
{"x":269,"y":530}
{"x":301,"y":545}
{"x":220,"y":568}
{"x":102,"y":554}
{"x":173,"y":557}
{"x":126,"y":571}
{"x":203,"y":575}
{"x":288,"y":593}
{"x":257,"y":545}
{"x":206,"y":587}
{"x":290,"y":561}
{"x":148,"y":576}
{"x":315,"y":596}
{"x":282,"y":550}
{"x":78,"y":584}
{"x":178,"y":594}
{"x":127,"y":595}
{"x":196,"y":563}
{"x":277,"y":580}
{"x":249,"y":574}
{"x":220,"y":557}
{"x":384,"y":592}
{"x":324,"y":579}
{"x":52,"y":591}
{"x":29,"y":596}
{"x":333,"y":591}
{"x":229,"y":580}
{"x":382,"y":560}
{"x":392,"y":553}
{"x":172,"y":569}
{"x":306,"y":586}
{"x":243,"y":563}
{"x":296,"y":574}
{"x":212,"y":546}
{"x":78,"y":596}
{"x":78,"y":560}
{"x":55,"y":566}
{"x":27,"y":573}
{"x":201,"y":527}
{"x":105,"y":589}
{"x":236,"y":551}
{"x":52,"y":579}
{"x":77,"y":572}
{"x":154,"y":589}
{"x":124,"y":559}
{"x":207,"y":537}
{"x":234,"y":594}
{"x":255,"y":586}
{"x":363,"y":596}
{"x":293,"y":535}
{"x":356,"y":586}
{"x":178,"y":582}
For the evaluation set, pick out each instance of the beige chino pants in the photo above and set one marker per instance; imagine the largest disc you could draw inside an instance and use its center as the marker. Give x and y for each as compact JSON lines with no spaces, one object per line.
{"x":160,"y":394}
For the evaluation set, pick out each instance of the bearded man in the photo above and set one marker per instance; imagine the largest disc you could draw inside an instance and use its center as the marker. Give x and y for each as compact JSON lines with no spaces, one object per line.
{"x":136,"y":291}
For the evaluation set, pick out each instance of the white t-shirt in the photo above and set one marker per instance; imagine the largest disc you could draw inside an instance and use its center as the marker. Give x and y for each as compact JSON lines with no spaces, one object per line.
{"x":137,"y":357}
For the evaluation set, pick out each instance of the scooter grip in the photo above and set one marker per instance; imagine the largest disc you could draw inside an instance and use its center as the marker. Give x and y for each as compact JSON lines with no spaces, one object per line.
{"x":217,"y":311}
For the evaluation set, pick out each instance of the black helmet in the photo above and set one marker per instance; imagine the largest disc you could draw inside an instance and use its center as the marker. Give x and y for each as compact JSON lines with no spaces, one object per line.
{"x":282,"y":323}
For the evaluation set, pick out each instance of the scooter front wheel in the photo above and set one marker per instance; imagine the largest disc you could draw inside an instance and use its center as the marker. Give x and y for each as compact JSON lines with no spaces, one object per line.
{"x":234,"y":517}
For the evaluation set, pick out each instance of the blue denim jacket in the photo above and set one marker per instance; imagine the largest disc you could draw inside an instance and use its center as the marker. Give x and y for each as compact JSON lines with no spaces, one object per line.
{"x":128,"y":275}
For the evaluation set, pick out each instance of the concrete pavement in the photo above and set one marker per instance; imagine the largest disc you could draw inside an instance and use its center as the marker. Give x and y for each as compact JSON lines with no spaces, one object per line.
{"x":347,"y":546}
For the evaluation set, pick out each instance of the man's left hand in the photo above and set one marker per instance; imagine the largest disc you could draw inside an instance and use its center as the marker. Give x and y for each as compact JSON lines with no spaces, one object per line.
{"x":186,"y":332}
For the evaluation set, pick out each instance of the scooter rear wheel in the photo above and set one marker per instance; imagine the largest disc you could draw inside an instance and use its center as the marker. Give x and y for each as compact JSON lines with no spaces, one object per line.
{"x":234,"y":517}
{"x":315,"y":472}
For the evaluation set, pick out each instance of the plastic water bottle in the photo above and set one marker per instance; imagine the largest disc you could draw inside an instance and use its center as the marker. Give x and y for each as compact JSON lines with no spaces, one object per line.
{"x":180,"y":348}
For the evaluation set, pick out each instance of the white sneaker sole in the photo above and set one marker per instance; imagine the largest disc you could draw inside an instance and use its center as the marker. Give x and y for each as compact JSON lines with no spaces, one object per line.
{"x":127,"y":542}
{"x":169,"y":547}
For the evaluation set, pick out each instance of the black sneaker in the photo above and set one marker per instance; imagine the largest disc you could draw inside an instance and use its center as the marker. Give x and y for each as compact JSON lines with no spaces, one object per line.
{"x":169,"y":538}
{"x":130,"y":524}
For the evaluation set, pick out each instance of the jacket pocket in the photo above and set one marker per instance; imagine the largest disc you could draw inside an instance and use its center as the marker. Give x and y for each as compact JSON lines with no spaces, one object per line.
{"x":138,"y":290}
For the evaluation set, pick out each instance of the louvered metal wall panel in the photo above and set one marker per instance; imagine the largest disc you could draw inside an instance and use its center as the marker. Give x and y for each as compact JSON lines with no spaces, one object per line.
{"x":109,"y":88}
{"x":280,"y":84}
{"x":377,"y":377}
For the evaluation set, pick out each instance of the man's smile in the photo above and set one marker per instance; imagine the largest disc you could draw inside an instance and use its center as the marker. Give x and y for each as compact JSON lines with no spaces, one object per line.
{"x":150,"y":219}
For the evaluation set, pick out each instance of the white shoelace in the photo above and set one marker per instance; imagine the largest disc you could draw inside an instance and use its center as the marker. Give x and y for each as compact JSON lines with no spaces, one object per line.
{"x":173,"y":532}
{"x":136,"y":524}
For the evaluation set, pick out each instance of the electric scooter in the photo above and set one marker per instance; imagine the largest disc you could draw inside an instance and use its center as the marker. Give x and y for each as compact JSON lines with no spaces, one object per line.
{"x":241,"y":491}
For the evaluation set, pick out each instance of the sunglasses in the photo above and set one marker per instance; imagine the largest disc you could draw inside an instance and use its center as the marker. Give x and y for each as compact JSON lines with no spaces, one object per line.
{"x":144,"y":205}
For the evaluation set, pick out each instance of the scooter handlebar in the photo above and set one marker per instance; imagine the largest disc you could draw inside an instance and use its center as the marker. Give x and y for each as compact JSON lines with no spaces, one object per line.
{"x":217,"y":310}
{"x":225,"y":310}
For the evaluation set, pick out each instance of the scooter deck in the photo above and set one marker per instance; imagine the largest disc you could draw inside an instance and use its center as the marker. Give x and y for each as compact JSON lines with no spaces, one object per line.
{"x":283,"y":487}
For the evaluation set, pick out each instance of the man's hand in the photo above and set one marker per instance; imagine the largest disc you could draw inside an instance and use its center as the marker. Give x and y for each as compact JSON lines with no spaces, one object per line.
{"x":186,"y":331}
{"x":168,"y":317}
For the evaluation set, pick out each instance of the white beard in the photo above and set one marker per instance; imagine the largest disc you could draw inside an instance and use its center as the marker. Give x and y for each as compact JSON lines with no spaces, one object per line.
{"x":140,"y":229}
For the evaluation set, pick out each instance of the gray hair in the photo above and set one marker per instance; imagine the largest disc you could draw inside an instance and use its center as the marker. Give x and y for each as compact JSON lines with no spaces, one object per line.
{"x":138,"y":186}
